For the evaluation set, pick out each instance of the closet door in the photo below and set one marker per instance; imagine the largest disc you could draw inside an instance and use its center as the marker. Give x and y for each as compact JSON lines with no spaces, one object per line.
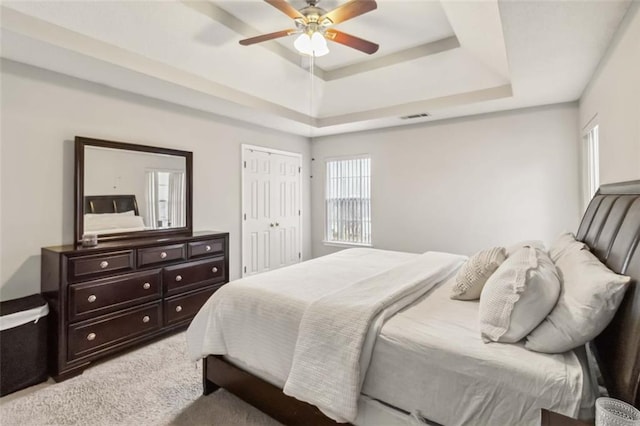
{"x":271,"y":210}
{"x":285,"y":210}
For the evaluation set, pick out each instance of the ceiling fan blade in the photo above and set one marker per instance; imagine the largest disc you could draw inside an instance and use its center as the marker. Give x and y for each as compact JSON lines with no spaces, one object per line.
{"x":265,"y":37}
{"x":286,"y":8}
{"x":351,"y":41}
{"x":349,"y":10}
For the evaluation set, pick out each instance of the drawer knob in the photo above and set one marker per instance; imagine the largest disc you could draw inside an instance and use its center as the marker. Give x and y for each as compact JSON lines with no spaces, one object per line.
{"x":146,"y":286}
{"x":163,"y":255}
{"x":91,"y":336}
{"x":214,"y":269}
{"x":145,"y":318}
{"x":91,"y":298}
{"x":104,"y":264}
{"x":207,"y":248}
{"x":178,"y":277}
{"x":178,"y":308}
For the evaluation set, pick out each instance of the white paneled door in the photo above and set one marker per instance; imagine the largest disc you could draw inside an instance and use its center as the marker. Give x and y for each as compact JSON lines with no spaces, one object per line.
{"x":271,"y":235}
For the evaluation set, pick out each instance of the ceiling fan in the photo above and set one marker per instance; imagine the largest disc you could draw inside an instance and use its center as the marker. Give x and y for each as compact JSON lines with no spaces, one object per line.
{"x":314,"y":26}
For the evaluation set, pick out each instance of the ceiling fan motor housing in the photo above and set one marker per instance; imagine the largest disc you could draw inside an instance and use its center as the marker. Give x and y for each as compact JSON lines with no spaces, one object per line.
{"x":313,"y":13}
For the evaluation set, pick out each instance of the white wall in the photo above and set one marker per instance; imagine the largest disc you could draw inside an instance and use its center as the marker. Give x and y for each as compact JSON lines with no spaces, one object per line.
{"x":42,"y":112}
{"x":613,"y":98}
{"x":464,"y":184}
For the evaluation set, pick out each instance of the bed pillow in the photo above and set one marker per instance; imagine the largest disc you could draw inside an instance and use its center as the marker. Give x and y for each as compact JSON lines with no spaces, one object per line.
{"x":563,"y":244}
{"x":475,"y":272}
{"x":518,"y":296}
{"x":591,"y":294}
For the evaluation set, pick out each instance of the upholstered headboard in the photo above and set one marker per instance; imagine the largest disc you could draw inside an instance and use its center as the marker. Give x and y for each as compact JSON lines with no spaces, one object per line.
{"x":611,"y":227}
{"x":110,"y":204}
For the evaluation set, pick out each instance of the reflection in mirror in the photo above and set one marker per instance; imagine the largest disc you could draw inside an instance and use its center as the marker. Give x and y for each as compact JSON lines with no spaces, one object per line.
{"x":129,"y":191}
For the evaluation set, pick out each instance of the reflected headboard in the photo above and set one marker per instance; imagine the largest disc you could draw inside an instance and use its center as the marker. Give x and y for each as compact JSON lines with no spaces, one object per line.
{"x":611,"y":228}
{"x":110,"y":204}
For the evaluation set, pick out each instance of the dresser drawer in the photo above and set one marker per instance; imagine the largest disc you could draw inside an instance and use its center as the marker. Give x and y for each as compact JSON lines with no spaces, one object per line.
{"x":106,"y":295}
{"x":188,"y":276}
{"x":100,"y":334}
{"x":83,"y":267}
{"x":205,"y":248}
{"x":184,"y":307}
{"x":159,"y":255}
{"x":92,"y":336}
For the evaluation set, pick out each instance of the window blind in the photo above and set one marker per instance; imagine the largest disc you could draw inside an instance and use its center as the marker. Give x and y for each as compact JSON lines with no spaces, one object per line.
{"x":348,"y":201}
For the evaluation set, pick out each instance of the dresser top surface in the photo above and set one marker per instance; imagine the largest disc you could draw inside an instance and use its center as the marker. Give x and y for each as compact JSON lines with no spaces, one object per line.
{"x":137,"y":242}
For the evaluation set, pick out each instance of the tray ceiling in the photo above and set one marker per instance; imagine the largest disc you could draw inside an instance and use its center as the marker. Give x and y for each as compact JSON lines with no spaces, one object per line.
{"x":445,"y":58}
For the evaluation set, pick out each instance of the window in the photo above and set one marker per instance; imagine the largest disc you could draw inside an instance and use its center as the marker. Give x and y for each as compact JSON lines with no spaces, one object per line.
{"x":165,"y":199}
{"x":592,"y":161}
{"x":348,"y":201}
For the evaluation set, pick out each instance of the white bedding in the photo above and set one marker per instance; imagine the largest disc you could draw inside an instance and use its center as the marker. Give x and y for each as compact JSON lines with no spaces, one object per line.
{"x":491,"y":384}
{"x":105,"y":223}
{"x":434,"y":337}
{"x":332,"y":352}
{"x":235,"y":326}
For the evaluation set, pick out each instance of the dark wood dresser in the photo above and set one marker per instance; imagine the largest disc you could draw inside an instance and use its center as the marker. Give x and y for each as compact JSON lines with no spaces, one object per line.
{"x":118,"y":294}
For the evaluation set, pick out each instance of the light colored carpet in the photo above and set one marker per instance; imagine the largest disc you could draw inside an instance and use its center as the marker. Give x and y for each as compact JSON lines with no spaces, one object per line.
{"x":153,"y":385}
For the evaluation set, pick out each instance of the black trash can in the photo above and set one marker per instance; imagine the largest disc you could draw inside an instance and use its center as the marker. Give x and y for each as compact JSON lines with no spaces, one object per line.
{"x":23,"y":343}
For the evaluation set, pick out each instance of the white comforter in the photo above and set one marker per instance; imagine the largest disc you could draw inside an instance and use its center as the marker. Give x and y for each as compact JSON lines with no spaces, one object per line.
{"x":316,"y":317}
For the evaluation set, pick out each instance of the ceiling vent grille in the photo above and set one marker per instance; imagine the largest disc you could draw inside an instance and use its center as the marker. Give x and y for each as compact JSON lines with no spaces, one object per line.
{"x":413,"y":116}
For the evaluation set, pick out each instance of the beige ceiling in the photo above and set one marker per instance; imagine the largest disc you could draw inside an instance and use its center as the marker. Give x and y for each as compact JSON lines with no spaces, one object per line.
{"x":445,"y":58}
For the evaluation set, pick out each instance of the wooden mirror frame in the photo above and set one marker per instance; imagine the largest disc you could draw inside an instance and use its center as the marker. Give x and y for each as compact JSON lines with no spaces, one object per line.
{"x":82,"y":142}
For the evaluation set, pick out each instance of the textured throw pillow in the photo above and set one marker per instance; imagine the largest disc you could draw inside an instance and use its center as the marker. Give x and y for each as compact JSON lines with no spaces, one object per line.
{"x":518,"y":296}
{"x":564,"y":244}
{"x":475,"y":272}
{"x":591,"y":294}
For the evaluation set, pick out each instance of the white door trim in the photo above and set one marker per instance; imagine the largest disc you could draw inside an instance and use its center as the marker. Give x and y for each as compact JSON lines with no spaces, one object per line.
{"x":243,"y":147}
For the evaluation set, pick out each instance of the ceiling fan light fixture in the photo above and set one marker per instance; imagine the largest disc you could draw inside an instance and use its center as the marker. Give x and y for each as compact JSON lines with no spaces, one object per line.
{"x":314,"y":45}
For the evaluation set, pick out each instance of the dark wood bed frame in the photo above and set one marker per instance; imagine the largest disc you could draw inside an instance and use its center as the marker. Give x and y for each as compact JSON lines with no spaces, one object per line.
{"x":110,"y":204}
{"x":610,"y":227}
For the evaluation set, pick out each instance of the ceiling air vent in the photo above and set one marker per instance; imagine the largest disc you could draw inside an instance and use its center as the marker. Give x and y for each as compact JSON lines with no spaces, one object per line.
{"x":412,"y":116}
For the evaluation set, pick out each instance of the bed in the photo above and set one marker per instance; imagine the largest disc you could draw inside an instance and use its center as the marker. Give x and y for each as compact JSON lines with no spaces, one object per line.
{"x":109,"y":214}
{"x":425,"y":360}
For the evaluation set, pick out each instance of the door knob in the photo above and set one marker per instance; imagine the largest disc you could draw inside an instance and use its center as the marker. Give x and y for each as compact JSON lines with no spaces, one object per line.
{"x":271,"y":225}
{"x":277,"y":224}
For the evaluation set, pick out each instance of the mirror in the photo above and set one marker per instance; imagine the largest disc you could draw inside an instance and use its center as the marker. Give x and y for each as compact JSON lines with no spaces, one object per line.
{"x":130,"y":191}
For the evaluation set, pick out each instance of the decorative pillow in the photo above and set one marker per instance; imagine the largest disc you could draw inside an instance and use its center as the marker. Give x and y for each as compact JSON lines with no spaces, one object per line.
{"x":563,"y":244}
{"x":591,"y":294}
{"x":526,"y":243}
{"x":518,"y":296}
{"x":474,"y":273}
